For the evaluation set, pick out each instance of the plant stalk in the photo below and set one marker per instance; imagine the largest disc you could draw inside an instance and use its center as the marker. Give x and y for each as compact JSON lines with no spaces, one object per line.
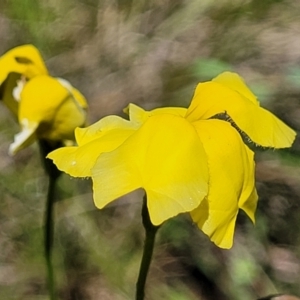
{"x":150,"y":231}
{"x":49,"y":235}
{"x":53,"y":174}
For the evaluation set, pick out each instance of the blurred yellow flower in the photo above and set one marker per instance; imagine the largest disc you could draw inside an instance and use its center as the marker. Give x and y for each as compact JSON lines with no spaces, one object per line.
{"x":50,"y":109}
{"x":186,"y":160}
{"x":18,"y":64}
{"x":47,"y":108}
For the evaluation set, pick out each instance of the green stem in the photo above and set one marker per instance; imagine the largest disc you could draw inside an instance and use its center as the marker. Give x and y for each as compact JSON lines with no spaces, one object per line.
{"x":150,"y":231}
{"x":53,"y":174}
{"x":48,"y":236}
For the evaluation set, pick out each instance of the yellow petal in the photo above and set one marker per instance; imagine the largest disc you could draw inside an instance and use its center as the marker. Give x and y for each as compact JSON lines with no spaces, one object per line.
{"x":177,"y":111}
{"x":262,"y":127}
{"x":136,"y":113}
{"x":249,"y":205}
{"x":231,"y":180}
{"x":44,"y":100}
{"x":23,"y":139}
{"x":20,"y":63}
{"x":103,"y":127}
{"x":166,"y":158}
{"x":78,"y":97}
{"x":139,"y":115}
{"x":236,"y":83}
{"x":78,"y":161}
{"x":25,"y":60}
{"x":7,"y":93}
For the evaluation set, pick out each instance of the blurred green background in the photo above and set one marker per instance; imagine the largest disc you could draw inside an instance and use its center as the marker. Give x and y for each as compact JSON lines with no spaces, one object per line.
{"x":152,"y":53}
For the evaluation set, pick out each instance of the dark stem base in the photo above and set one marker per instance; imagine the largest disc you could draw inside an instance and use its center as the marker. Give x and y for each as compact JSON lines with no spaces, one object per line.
{"x":150,"y":231}
{"x":53,"y":174}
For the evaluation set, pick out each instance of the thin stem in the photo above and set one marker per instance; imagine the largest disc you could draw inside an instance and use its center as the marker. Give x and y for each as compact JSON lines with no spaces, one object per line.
{"x":48,"y":236}
{"x":53,"y":174}
{"x":150,"y":231}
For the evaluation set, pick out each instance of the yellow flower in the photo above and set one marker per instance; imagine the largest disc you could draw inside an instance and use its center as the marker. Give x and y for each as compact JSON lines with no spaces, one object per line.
{"x":46,"y":107}
{"x":186,"y":160}
{"x":50,"y":109}
{"x":20,"y":63}
{"x":227,"y":93}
